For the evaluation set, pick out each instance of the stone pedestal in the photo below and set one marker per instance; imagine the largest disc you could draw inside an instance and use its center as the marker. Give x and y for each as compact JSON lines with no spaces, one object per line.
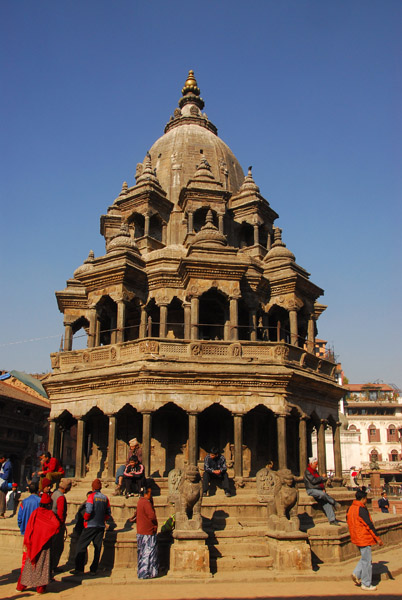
{"x":289,"y":550}
{"x":375,"y":483}
{"x":189,"y":555}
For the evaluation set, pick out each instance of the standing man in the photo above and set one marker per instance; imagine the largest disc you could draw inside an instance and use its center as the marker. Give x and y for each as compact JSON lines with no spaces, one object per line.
{"x":315,"y":487}
{"x":6,"y":477}
{"x":59,"y":507}
{"x":215,"y":468}
{"x":97,"y":512}
{"x":147,"y":526}
{"x":27,"y":507}
{"x":364,"y":535}
{"x":383,"y":502}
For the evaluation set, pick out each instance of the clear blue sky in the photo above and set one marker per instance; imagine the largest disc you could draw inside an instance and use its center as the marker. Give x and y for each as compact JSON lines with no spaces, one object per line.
{"x":308,"y":92}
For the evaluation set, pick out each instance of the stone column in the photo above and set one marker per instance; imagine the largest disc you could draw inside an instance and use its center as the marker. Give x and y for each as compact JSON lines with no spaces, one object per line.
{"x":195,"y":304}
{"x":79,"y":454}
{"x":303,"y":458}
{"x":146,"y":225}
{"x":282,"y":448}
{"x":121,"y":321}
{"x":269,"y":241}
{"x":293,"y":327}
{"x":92,"y":328}
{"x":97,"y":332}
{"x":321,"y":453}
{"x":143,"y":322}
{"x":192,"y":438}
{"x":52,"y":440}
{"x":234,"y":319}
{"x":68,"y":337}
{"x":146,"y":441}
{"x":253,"y":324}
{"x":164,"y":233}
{"x":310,"y":334}
{"x":163,"y":321}
{"x":187,"y":320}
{"x":111,"y":448}
{"x":337,"y":449}
{"x":256,"y":235}
{"x":238,"y":445}
{"x":190,"y":226}
{"x":220,"y":223}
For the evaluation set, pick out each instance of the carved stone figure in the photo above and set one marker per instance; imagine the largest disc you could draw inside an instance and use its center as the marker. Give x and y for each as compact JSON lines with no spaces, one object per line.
{"x":174,"y":479}
{"x":276,"y":489}
{"x":188,"y":501}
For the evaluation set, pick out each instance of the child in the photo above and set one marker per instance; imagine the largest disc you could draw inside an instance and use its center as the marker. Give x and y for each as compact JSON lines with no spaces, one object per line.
{"x":133,"y":477}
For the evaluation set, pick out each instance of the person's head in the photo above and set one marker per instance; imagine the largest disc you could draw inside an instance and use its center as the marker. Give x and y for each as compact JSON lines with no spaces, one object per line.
{"x":46,"y":485}
{"x":65,"y":485}
{"x":384,"y":494}
{"x":214,"y":452}
{"x":148,"y":492}
{"x":133,"y":460}
{"x":133,"y":444}
{"x":45,"y":501}
{"x":361,"y":496}
{"x":3,"y":458}
{"x":313,"y":462}
{"x":96,"y":485}
{"x":33,"y":488}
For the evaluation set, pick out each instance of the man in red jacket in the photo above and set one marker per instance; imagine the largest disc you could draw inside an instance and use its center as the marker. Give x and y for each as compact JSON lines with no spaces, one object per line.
{"x":363,"y":534}
{"x":51,"y":469}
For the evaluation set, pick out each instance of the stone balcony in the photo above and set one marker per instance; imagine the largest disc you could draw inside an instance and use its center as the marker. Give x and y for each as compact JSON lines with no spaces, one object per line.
{"x":272,"y":353}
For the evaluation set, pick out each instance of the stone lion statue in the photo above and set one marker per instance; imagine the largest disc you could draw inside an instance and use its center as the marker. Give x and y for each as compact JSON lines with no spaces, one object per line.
{"x":276,"y":489}
{"x":188,"y":500}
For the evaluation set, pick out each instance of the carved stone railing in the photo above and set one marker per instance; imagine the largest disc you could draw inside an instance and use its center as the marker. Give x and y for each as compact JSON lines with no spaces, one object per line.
{"x":196,"y":350}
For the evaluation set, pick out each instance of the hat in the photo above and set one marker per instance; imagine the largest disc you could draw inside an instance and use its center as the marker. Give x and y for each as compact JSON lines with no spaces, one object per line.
{"x":46,"y":482}
{"x":15,"y":485}
{"x":96,"y":484}
{"x":133,"y":442}
{"x":65,"y":483}
{"x":45,"y":499}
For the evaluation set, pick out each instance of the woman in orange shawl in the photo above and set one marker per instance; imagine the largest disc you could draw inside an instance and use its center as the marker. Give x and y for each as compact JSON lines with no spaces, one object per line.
{"x":42,"y":525}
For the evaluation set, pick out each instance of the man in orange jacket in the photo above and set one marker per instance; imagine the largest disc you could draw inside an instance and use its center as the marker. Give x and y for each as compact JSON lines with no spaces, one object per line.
{"x":363,"y":534}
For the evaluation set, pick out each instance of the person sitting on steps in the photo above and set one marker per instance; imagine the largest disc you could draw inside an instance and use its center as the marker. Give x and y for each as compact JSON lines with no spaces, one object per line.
{"x":215,"y":469}
{"x":133,"y":477}
{"x":315,"y":487}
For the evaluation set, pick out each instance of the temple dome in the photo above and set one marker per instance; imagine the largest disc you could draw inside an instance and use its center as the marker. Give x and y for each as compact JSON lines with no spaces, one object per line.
{"x":188,"y":135}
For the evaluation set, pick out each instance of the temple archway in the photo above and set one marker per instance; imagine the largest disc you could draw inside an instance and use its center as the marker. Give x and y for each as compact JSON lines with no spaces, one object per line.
{"x":97,"y":429}
{"x":260,"y":438}
{"x":213,"y":315}
{"x":169,"y":440}
{"x":128,"y":426}
{"x":175,"y":320}
{"x":215,"y":428}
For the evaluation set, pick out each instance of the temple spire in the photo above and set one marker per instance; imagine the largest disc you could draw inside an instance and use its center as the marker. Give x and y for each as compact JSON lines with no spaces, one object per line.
{"x":191,"y":92}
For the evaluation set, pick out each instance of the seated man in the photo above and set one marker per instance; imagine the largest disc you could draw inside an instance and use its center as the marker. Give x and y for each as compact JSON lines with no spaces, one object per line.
{"x":215,"y":468}
{"x":133,"y":477}
{"x":51,"y":469}
{"x":315,"y":487}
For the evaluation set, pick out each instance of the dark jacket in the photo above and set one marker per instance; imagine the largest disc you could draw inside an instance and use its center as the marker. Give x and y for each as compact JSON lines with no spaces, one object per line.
{"x":215,"y":464}
{"x":313,"y":482}
{"x":6,"y":474}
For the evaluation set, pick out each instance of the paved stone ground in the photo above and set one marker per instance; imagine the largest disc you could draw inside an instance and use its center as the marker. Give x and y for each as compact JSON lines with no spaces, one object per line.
{"x":330,"y":581}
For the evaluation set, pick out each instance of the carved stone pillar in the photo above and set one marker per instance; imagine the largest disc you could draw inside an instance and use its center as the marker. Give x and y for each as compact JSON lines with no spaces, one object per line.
{"x":195,"y":304}
{"x":163,"y":320}
{"x":68,"y":337}
{"x":256,"y":235}
{"x":164,"y":233}
{"x":143,"y":322}
{"x":52,"y":440}
{"x":310,"y":334}
{"x":121,"y":321}
{"x":111,"y":449}
{"x":293,"y":327}
{"x":321,"y":451}
{"x":146,"y":441}
{"x":269,"y":241}
{"x":187,"y":320}
{"x":337,"y":449}
{"x":97,"y":332}
{"x":253,"y":324}
{"x":79,"y":454}
{"x":220,"y":223}
{"x":193,"y":438}
{"x":234,"y":318}
{"x":238,"y":445}
{"x":303,"y":458}
{"x":282,"y":447}
{"x":146,"y":225}
{"x":190,"y":226}
{"x":92,"y":328}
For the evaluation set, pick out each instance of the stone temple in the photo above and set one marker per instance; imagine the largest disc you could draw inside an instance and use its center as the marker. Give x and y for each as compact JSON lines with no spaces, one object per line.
{"x":200,"y":324}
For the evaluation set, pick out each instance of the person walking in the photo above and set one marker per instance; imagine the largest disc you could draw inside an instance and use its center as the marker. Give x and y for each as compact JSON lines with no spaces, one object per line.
{"x":315,"y":487}
{"x":27,"y":506}
{"x":97,"y":512}
{"x":363,"y":535}
{"x":6,"y":478}
{"x":147,"y":526}
{"x":383,"y":502}
{"x":59,"y":507}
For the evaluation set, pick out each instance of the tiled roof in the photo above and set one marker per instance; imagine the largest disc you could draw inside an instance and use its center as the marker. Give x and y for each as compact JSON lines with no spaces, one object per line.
{"x":9,"y":391}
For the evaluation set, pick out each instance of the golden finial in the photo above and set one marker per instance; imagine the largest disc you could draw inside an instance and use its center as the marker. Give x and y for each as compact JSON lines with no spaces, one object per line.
{"x":191,"y":85}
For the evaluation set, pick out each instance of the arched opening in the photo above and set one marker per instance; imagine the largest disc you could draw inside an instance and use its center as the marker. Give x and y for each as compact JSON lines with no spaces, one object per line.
{"x":374,"y":456}
{"x":278,"y":325}
{"x":175,"y":320}
{"x":302,"y":326}
{"x":394,"y":456}
{"x":262,"y":236}
{"x":80,"y":327}
{"x":200,"y":217}
{"x":373,"y":434}
{"x":392,"y":434}
{"x":153,"y":320}
{"x":67,"y":442}
{"x":260,"y":438}
{"x":215,"y":428}
{"x":96,"y":433}
{"x":246,"y":235}
{"x":243,"y":320}
{"x":155,"y":227}
{"x":128,"y":426}
{"x":213,"y":313}
{"x":137,"y":224}
{"x":107,"y":321}
{"x":169,"y":440}
{"x":133,"y":320}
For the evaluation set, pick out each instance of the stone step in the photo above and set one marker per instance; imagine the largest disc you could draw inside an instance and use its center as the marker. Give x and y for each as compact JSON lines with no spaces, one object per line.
{"x":250,"y":549}
{"x":228,"y":563}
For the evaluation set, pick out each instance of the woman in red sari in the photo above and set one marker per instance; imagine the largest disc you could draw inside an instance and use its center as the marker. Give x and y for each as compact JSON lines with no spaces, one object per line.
{"x":42,"y":525}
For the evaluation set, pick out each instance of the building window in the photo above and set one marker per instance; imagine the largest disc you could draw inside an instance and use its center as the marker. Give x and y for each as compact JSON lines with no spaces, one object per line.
{"x":394,"y":457}
{"x":373,"y":434}
{"x":392,"y":434}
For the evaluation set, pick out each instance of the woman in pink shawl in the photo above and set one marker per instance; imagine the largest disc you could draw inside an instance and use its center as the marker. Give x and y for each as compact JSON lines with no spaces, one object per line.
{"x":42,"y":525}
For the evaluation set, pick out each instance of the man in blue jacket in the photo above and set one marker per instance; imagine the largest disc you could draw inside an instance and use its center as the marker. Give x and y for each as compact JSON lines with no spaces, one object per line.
{"x":215,"y":468}
{"x":27,"y":507}
{"x":6,"y":477}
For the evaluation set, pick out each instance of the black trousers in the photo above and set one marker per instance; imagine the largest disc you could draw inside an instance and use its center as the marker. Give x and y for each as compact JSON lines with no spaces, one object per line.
{"x":57,"y":547}
{"x":133,"y":485}
{"x":222,"y":480}
{"x":88,"y":535}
